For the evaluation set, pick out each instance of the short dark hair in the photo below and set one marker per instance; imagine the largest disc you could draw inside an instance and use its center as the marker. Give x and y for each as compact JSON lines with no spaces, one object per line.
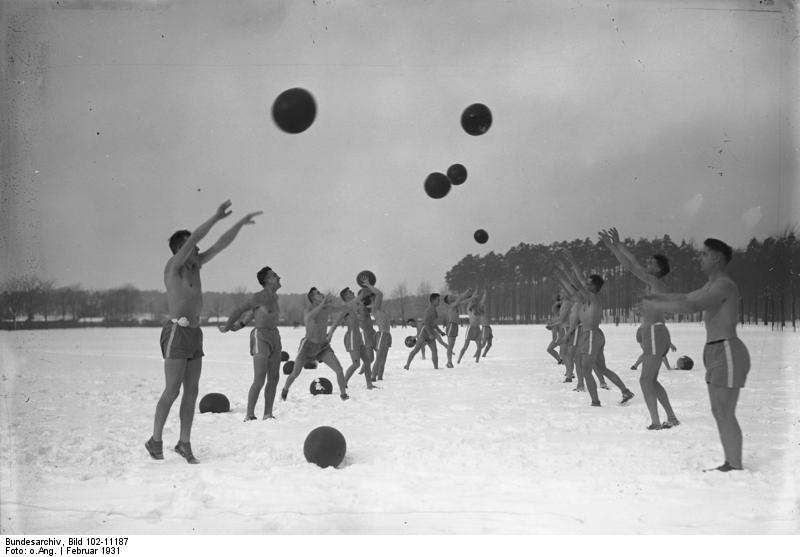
{"x":178,"y":239}
{"x":311,"y":293}
{"x":720,"y":247}
{"x":433,"y":296}
{"x":663,"y":264}
{"x":344,"y":291}
{"x":261,"y":276}
{"x":597,"y":280}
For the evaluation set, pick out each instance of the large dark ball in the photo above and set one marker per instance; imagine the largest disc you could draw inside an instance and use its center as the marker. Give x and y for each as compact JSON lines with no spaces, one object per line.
{"x":410,"y":341}
{"x":437,"y":185}
{"x":481,"y":236}
{"x":457,"y":174}
{"x":320,"y":386}
{"x":288,"y":367}
{"x":367,"y":276}
{"x":284,"y":356}
{"x":476,"y":119}
{"x":325,"y":446}
{"x":215,"y":403}
{"x":294,"y":110}
{"x":685,"y":362}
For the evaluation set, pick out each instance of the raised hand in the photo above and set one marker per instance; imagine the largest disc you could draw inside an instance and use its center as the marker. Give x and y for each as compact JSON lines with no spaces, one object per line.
{"x":614,"y":235}
{"x":223,"y":210}
{"x":248,"y":218}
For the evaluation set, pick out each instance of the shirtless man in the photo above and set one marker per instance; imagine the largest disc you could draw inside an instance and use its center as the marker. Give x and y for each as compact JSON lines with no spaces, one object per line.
{"x":568,"y":331}
{"x":451,"y":305}
{"x":556,"y":327}
{"x":474,"y":331}
{"x":430,"y":333}
{"x":383,"y":338}
{"x":655,"y":339}
{"x":181,"y":337}
{"x":265,"y":341}
{"x":316,"y":344}
{"x":486,"y":333}
{"x":592,"y":341}
{"x":353,"y":341}
{"x":725,"y":356}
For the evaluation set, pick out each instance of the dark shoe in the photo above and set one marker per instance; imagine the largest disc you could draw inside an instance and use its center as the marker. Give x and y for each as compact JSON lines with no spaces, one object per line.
{"x":344,"y":397}
{"x":249,"y":418}
{"x":155,"y":448}
{"x":568,"y":380}
{"x":626,"y":396}
{"x":595,"y":403}
{"x":655,"y":427}
{"x":185,"y":450}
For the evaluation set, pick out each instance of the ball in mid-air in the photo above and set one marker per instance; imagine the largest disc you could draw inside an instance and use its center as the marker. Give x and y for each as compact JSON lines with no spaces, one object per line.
{"x":294,"y":110}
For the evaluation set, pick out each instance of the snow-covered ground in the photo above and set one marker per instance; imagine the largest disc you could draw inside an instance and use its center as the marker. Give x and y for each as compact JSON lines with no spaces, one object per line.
{"x":498,"y":447}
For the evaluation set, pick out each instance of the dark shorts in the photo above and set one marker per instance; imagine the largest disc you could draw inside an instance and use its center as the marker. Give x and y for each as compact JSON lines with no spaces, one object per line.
{"x":727,"y":363}
{"x":353,"y":341}
{"x":474,"y":332}
{"x":383,"y":340}
{"x":591,"y":342}
{"x":265,"y":342}
{"x":181,"y":343}
{"x":313,"y":351}
{"x":368,"y":336}
{"x":452,"y":330}
{"x":487,"y":332}
{"x":655,"y":339}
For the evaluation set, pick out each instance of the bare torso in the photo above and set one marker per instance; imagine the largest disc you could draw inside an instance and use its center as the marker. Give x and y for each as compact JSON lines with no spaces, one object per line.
{"x":184,"y":291}
{"x":591,"y":313}
{"x":721,"y":321}
{"x":267,"y":313}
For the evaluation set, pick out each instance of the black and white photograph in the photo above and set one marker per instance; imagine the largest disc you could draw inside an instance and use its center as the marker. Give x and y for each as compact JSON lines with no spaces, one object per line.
{"x":460,"y":268}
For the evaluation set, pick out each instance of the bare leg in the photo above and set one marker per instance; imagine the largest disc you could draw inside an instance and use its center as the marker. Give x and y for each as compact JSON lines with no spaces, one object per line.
{"x":259,"y":377}
{"x":723,"y":408}
{"x":273,"y":376}
{"x":296,"y":369}
{"x":191,"y":386}
{"x":463,"y":349}
{"x":353,"y":367}
{"x":488,"y":345}
{"x":330,"y":360}
{"x":174,"y":371}
{"x":587,"y":363}
{"x":451,"y":342}
{"x":647,"y":381}
{"x":551,"y":350}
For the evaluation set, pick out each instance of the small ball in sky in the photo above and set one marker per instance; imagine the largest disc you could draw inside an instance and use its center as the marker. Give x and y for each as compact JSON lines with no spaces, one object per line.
{"x":294,"y":110}
{"x":476,"y":119}
{"x":457,"y":174}
{"x":481,"y":236}
{"x":437,"y":185}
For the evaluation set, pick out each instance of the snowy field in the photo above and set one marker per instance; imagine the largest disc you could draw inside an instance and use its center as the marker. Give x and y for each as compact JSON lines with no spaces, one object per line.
{"x":499,"y":447}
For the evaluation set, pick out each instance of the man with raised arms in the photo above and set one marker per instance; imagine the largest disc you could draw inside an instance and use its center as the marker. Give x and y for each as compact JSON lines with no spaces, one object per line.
{"x":725,"y":356}
{"x":655,"y":338}
{"x":383,"y":338}
{"x":181,"y":337}
{"x":353,"y":341}
{"x":451,"y":305}
{"x":591,"y":343}
{"x":265,"y":340}
{"x":316,"y":344}
{"x":430,"y":333}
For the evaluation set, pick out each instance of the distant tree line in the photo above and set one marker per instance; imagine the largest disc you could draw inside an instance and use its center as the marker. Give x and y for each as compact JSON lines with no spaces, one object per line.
{"x":520,"y":287}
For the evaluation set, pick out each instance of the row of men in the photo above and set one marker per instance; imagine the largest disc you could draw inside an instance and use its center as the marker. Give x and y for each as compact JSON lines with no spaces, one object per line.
{"x":182,"y":338}
{"x":725,"y":356}
{"x":726,"y":359}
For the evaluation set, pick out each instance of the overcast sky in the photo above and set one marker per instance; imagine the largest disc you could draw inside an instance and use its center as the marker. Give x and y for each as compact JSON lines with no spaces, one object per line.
{"x":125,"y":121}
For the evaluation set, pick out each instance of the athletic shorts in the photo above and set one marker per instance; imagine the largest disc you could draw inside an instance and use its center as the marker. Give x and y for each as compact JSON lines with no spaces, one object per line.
{"x":383,"y":340}
{"x":474,"y":332}
{"x":353,"y":341}
{"x":560,"y":332}
{"x":310,"y":351}
{"x":181,"y":343}
{"x":727,"y":363}
{"x":591,"y":342}
{"x":571,"y":341}
{"x":487,"y":332}
{"x":265,"y":342}
{"x":452,"y":330}
{"x":368,"y":336}
{"x":655,"y":339}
